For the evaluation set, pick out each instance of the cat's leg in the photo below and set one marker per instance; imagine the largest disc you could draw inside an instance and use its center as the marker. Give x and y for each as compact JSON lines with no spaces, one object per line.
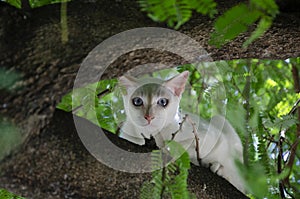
{"x":235,"y":179}
{"x":133,"y":139}
{"x":159,"y":140}
{"x":216,"y":168}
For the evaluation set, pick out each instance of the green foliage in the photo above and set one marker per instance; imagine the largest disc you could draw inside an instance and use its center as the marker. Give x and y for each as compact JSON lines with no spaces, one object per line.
{"x":260,"y":113}
{"x":256,"y":180}
{"x":39,"y":3}
{"x":86,"y":103}
{"x":16,"y":3}
{"x":258,"y":98}
{"x":34,"y":3}
{"x":168,"y":180}
{"x":4,"y":194}
{"x":8,"y":79}
{"x":228,"y":26}
{"x":232,"y":23}
{"x":263,"y":25}
{"x":237,"y":20}
{"x":10,"y":137}
{"x":176,"y":12}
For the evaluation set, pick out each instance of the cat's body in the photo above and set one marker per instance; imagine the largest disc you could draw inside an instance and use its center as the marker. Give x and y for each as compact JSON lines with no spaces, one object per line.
{"x":152,"y":109}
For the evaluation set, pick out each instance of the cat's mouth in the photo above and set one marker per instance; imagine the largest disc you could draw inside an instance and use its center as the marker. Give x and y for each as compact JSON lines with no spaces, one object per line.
{"x":154,"y":123}
{"x":147,"y":124}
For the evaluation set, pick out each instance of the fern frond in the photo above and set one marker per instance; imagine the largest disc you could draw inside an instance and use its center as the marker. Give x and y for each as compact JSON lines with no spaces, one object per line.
{"x":263,"y":155}
{"x":263,"y":25}
{"x":234,"y":21}
{"x":205,"y":7}
{"x":176,"y":12}
{"x":170,"y":180}
{"x":147,"y":191}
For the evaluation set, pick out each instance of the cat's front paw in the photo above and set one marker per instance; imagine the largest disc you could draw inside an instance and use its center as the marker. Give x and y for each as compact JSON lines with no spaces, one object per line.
{"x":135,"y":140}
{"x":216,"y":168}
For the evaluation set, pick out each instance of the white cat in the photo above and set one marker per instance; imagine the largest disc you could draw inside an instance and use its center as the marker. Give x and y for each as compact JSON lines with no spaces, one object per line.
{"x":152,"y":109}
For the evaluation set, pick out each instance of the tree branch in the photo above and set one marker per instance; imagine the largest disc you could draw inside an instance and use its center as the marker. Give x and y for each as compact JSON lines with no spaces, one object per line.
{"x":180,"y":127}
{"x":196,"y":139}
{"x":246,"y":96}
{"x":294,"y":146}
{"x":186,"y":118}
{"x":279,"y":166}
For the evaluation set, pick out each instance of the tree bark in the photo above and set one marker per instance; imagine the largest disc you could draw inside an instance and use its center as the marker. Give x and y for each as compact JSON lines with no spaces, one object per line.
{"x":52,"y":162}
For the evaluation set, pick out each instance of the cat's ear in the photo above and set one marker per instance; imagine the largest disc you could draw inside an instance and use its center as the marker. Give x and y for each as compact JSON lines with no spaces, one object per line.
{"x":177,"y":83}
{"x":128,"y":82}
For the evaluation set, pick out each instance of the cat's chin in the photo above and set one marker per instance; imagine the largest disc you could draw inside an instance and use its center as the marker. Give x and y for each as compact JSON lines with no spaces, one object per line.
{"x":150,"y":128}
{"x":153,"y":125}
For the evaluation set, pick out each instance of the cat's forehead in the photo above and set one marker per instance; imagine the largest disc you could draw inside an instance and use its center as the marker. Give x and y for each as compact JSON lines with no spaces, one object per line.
{"x":152,"y":89}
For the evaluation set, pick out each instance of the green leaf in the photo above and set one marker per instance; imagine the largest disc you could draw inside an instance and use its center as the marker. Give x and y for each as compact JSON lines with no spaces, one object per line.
{"x":285,"y":122}
{"x":35,"y":3}
{"x":4,"y":194}
{"x":233,"y":22}
{"x":16,"y":3}
{"x":87,"y":104}
{"x":10,"y":138}
{"x":8,"y":79}
{"x":269,"y":6}
{"x":66,"y":103}
{"x":176,"y":12}
{"x":256,"y":179}
{"x":205,"y":7}
{"x":172,"y":179}
{"x":263,"y":25}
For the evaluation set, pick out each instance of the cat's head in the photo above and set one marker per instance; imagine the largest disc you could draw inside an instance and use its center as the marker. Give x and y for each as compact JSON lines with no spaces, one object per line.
{"x":152,"y":104}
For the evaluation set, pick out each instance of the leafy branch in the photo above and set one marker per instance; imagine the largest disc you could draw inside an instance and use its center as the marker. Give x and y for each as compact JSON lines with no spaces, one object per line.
{"x":4,"y":194}
{"x":171,"y":179}
{"x":239,"y":18}
{"x":295,"y":109}
{"x":176,"y":12}
{"x":262,"y":90}
{"x":228,"y":26}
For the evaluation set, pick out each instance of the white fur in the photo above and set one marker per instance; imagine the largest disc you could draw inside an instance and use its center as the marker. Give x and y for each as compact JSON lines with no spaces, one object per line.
{"x":219,"y":144}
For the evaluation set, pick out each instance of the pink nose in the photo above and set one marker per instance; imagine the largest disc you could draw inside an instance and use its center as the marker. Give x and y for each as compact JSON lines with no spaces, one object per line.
{"x":149,"y":118}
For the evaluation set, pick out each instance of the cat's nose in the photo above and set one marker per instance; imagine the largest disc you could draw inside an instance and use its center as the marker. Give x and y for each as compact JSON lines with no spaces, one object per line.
{"x":149,"y":118}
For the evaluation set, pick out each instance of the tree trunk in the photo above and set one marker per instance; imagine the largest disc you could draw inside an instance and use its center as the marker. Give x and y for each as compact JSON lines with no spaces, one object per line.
{"x":52,"y":162}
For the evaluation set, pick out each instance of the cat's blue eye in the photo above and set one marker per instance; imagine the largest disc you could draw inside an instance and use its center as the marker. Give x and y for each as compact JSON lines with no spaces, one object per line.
{"x":163,"y":102}
{"x":137,"y":101}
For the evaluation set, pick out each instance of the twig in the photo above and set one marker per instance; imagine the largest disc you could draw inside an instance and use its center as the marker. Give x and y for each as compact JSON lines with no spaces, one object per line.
{"x":295,"y":106}
{"x":279,"y":166}
{"x":294,"y":146}
{"x":163,"y":178}
{"x":286,"y":191}
{"x":246,"y":96}
{"x":99,"y":95}
{"x":235,"y":85}
{"x":186,"y":118}
{"x":76,"y":109}
{"x":180,"y":127}
{"x":196,"y":139}
{"x":289,"y":164}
